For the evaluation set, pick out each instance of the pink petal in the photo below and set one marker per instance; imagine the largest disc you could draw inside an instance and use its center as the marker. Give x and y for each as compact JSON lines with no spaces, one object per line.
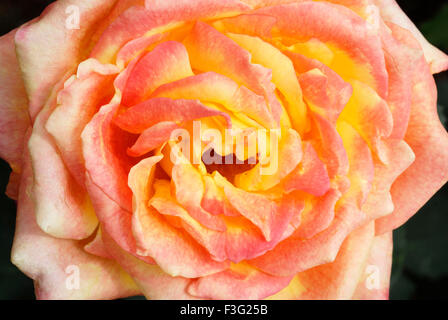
{"x":374,"y":283}
{"x":14,"y":118}
{"x":136,"y":21}
{"x":246,"y":284}
{"x":146,"y":114}
{"x":391,"y":12}
{"x":165,"y":63}
{"x":45,"y":46}
{"x":339,"y":279}
{"x":152,"y":138}
{"x":340,"y":27}
{"x":48,"y":261}
{"x":216,"y":88}
{"x":154,"y":283}
{"x":106,"y":161}
{"x":309,"y":176}
{"x":295,"y":255}
{"x":210,"y":50}
{"x":63,"y":207}
{"x":428,"y":140}
{"x":189,"y":189}
{"x":379,"y":202}
{"x":174,"y":251}
{"x":78,"y":102}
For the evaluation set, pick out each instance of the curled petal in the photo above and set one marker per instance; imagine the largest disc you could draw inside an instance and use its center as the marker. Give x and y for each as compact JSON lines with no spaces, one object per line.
{"x":391,"y":12}
{"x":39,"y":256}
{"x":165,"y":63}
{"x":318,"y":214}
{"x":370,"y":116}
{"x":329,"y":146}
{"x":214,"y":199}
{"x":97,"y":246}
{"x":157,"y":16}
{"x":152,"y":138}
{"x":78,"y":102}
{"x":283,"y":75}
{"x":289,"y":155}
{"x":106,"y":161}
{"x":428,"y":140}
{"x":361,"y":171}
{"x":241,"y":241}
{"x":357,"y":48}
{"x":58,"y":55}
{"x":326,"y":95}
{"x":375,"y":281}
{"x":63,"y":207}
{"x":153,"y":282}
{"x":212,"y":51}
{"x":14,"y":118}
{"x":216,"y":88}
{"x":189,"y":190}
{"x":379,"y":203}
{"x":309,"y":176}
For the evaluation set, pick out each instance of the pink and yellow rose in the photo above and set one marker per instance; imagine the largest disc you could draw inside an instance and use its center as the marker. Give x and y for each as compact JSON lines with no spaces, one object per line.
{"x":86,"y":123}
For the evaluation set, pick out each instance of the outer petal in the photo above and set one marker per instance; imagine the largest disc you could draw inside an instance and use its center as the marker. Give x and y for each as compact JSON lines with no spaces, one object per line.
{"x":379,"y":202}
{"x":429,"y":141}
{"x":14,"y":118}
{"x":374,"y":284}
{"x":50,"y":262}
{"x":391,"y":12}
{"x":326,"y":94}
{"x":336,"y":280}
{"x":47,"y":47}
{"x":63,"y":207}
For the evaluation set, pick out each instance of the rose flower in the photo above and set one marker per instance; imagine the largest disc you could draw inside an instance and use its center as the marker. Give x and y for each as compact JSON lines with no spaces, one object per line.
{"x":217,"y":149}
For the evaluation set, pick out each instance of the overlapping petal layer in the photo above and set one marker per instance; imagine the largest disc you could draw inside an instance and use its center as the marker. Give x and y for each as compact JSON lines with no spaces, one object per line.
{"x":219,"y":149}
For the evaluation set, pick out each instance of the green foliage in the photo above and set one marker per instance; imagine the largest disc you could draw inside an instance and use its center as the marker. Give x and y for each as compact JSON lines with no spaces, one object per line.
{"x":436,"y":29}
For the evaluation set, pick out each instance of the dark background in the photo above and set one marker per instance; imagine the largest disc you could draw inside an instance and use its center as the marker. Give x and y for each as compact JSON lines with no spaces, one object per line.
{"x":420,"y":264}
